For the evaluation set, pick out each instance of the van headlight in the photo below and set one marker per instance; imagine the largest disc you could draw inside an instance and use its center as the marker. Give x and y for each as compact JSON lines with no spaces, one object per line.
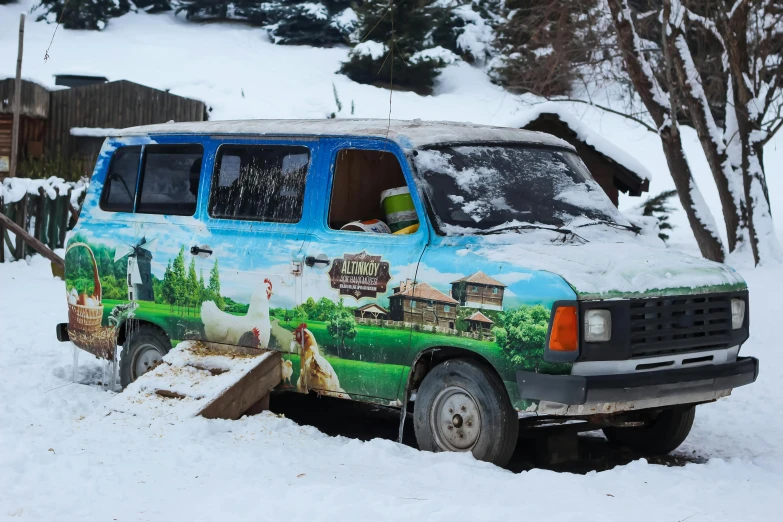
{"x":737,"y":313}
{"x":598,"y":325}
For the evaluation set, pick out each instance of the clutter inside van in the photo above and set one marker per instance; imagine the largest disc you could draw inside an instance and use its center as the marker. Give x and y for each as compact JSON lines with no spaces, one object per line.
{"x":369,"y":194}
{"x":375,"y":226}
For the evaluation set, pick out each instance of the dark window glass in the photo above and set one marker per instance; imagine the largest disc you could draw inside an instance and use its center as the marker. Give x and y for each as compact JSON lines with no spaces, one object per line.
{"x":170,"y":179}
{"x":484,"y":187}
{"x":119,"y":190}
{"x":263,"y":183}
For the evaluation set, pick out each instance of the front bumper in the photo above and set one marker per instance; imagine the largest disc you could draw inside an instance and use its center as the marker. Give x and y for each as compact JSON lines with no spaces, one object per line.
{"x":662,"y":387}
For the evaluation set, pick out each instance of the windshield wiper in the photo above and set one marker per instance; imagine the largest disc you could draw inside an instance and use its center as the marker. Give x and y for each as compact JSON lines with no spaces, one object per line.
{"x":632,"y":228}
{"x":564,"y":231}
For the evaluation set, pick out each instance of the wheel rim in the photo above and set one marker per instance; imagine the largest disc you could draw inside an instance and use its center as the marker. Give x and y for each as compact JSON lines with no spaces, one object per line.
{"x":456,"y":420}
{"x":147,"y":356}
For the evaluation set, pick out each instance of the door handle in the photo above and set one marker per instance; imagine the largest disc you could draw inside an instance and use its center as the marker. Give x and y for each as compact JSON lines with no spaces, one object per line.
{"x":194,"y":250}
{"x":312,"y":261}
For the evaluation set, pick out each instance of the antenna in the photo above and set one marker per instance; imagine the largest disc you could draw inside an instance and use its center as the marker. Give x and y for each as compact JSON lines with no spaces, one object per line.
{"x":46,"y":53}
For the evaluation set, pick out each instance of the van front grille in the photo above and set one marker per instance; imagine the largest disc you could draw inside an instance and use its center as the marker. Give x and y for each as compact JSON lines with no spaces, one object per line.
{"x":669,"y":325}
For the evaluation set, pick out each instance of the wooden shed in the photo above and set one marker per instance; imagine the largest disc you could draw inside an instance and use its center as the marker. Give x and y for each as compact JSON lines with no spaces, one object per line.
{"x":34,"y":113}
{"x":49,"y":117}
{"x":613,"y":176}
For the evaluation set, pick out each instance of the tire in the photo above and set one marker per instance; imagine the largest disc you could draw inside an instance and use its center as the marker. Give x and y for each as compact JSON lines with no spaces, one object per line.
{"x":471,"y":399}
{"x":144,"y":346}
{"x":663,"y":435}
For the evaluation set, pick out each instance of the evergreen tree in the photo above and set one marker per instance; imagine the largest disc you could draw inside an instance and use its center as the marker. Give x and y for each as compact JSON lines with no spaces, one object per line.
{"x":404,"y":27}
{"x":213,"y":287}
{"x":202,"y":289}
{"x":169,"y":296}
{"x":191,"y":285}
{"x":82,"y":14}
{"x":179,"y":278}
{"x":152,"y":6}
{"x":323,"y":23}
{"x":255,"y":12}
{"x":467,"y":27}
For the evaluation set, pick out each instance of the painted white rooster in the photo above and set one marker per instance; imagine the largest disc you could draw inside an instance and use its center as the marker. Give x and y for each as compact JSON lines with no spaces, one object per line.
{"x":315,"y":372}
{"x":253,"y":329}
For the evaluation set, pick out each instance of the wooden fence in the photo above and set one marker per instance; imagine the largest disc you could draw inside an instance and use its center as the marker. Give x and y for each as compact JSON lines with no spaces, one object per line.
{"x":38,"y":222}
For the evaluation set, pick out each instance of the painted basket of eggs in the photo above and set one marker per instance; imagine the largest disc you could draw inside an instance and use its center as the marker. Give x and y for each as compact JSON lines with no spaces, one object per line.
{"x":85,"y":313}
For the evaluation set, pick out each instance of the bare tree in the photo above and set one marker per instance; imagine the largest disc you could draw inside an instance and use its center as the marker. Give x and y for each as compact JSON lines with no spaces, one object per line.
{"x":662,"y":106}
{"x":749,"y":35}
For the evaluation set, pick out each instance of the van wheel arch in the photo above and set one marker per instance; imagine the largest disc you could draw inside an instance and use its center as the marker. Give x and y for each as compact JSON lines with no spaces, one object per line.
{"x":122,"y":331}
{"x":427,"y":359}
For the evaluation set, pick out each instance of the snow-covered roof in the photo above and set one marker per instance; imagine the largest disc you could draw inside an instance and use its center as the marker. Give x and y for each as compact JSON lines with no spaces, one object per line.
{"x":408,"y":134}
{"x":586,"y":135}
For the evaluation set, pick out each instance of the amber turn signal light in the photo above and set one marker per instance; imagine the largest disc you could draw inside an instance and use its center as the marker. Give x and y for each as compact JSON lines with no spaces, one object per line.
{"x":564,"y":330}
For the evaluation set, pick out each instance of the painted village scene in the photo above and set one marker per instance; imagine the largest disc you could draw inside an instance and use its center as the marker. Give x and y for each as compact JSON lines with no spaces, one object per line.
{"x":357,"y":341}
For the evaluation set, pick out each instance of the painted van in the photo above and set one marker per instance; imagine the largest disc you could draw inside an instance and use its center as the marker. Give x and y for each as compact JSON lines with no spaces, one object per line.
{"x":511,"y":291}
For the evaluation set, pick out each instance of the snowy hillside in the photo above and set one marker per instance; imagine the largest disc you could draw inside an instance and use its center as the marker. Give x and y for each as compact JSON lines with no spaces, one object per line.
{"x":63,"y":457}
{"x":239,"y":73}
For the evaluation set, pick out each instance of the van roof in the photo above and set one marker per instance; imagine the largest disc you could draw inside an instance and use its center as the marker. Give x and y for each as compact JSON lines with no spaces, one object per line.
{"x":409,"y":134}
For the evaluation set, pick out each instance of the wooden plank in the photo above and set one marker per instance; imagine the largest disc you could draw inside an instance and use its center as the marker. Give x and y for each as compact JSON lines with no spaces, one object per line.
{"x":30,"y":240}
{"x":251,"y":388}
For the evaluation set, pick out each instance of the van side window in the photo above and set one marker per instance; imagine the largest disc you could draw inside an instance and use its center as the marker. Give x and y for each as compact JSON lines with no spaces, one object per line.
{"x":368,"y":186}
{"x":119,"y":191}
{"x":170,"y":179}
{"x":260,"y":183}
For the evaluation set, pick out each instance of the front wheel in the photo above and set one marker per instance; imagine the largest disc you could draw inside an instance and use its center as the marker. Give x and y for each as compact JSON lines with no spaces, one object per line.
{"x":463,"y":406}
{"x":664,"y":433}
{"x":144,"y":348}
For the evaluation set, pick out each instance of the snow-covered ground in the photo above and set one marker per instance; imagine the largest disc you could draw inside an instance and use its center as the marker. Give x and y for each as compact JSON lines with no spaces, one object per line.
{"x":240,"y":74}
{"x":63,"y":457}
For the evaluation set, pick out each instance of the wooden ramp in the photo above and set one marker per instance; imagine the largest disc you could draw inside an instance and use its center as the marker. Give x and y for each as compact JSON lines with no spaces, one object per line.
{"x":211,"y":380}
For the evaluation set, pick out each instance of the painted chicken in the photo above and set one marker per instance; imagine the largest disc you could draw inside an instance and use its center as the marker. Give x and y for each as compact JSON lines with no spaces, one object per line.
{"x":315,"y":372}
{"x":253,"y":329}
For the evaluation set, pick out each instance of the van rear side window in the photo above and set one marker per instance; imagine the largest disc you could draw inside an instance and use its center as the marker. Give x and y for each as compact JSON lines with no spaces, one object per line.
{"x":170,"y":176}
{"x":260,"y":183}
{"x":119,"y":192}
{"x":170,"y":179}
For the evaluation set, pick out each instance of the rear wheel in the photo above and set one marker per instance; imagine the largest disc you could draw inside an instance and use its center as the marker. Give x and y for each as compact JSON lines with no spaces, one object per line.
{"x":463,"y":406}
{"x":144,"y":348}
{"x":664,"y":433}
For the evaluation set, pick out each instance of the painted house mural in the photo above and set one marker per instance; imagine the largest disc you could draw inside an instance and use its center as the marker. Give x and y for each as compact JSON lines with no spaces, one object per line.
{"x":479,"y":291}
{"x":421,"y":304}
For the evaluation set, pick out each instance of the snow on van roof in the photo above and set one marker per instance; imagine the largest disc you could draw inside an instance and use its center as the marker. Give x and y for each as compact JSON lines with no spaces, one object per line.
{"x":408,"y":134}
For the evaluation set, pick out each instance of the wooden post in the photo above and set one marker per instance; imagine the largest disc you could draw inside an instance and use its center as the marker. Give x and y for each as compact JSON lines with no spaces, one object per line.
{"x":39,"y":216}
{"x":17,"y":101}
{"x":2,"y":233}
{"x":21,"y":219}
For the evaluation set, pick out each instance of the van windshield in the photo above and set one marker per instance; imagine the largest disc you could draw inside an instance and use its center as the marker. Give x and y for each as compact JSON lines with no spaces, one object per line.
{"x":486,"y":187}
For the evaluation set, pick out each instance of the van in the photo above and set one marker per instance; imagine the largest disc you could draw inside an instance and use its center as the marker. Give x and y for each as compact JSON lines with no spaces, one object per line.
{"x":478,"y":275}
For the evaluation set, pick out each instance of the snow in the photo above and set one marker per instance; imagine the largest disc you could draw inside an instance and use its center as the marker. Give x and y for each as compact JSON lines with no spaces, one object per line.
{"x":606,"y":262}
{"x":14,"y":189}
{"x":409,"y":134}
{"x":346,"y":20}
{"x":436,"y":53}
{"x":63,"y":458}
{"x":94,"y":132}
{"x":371,"y":48}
